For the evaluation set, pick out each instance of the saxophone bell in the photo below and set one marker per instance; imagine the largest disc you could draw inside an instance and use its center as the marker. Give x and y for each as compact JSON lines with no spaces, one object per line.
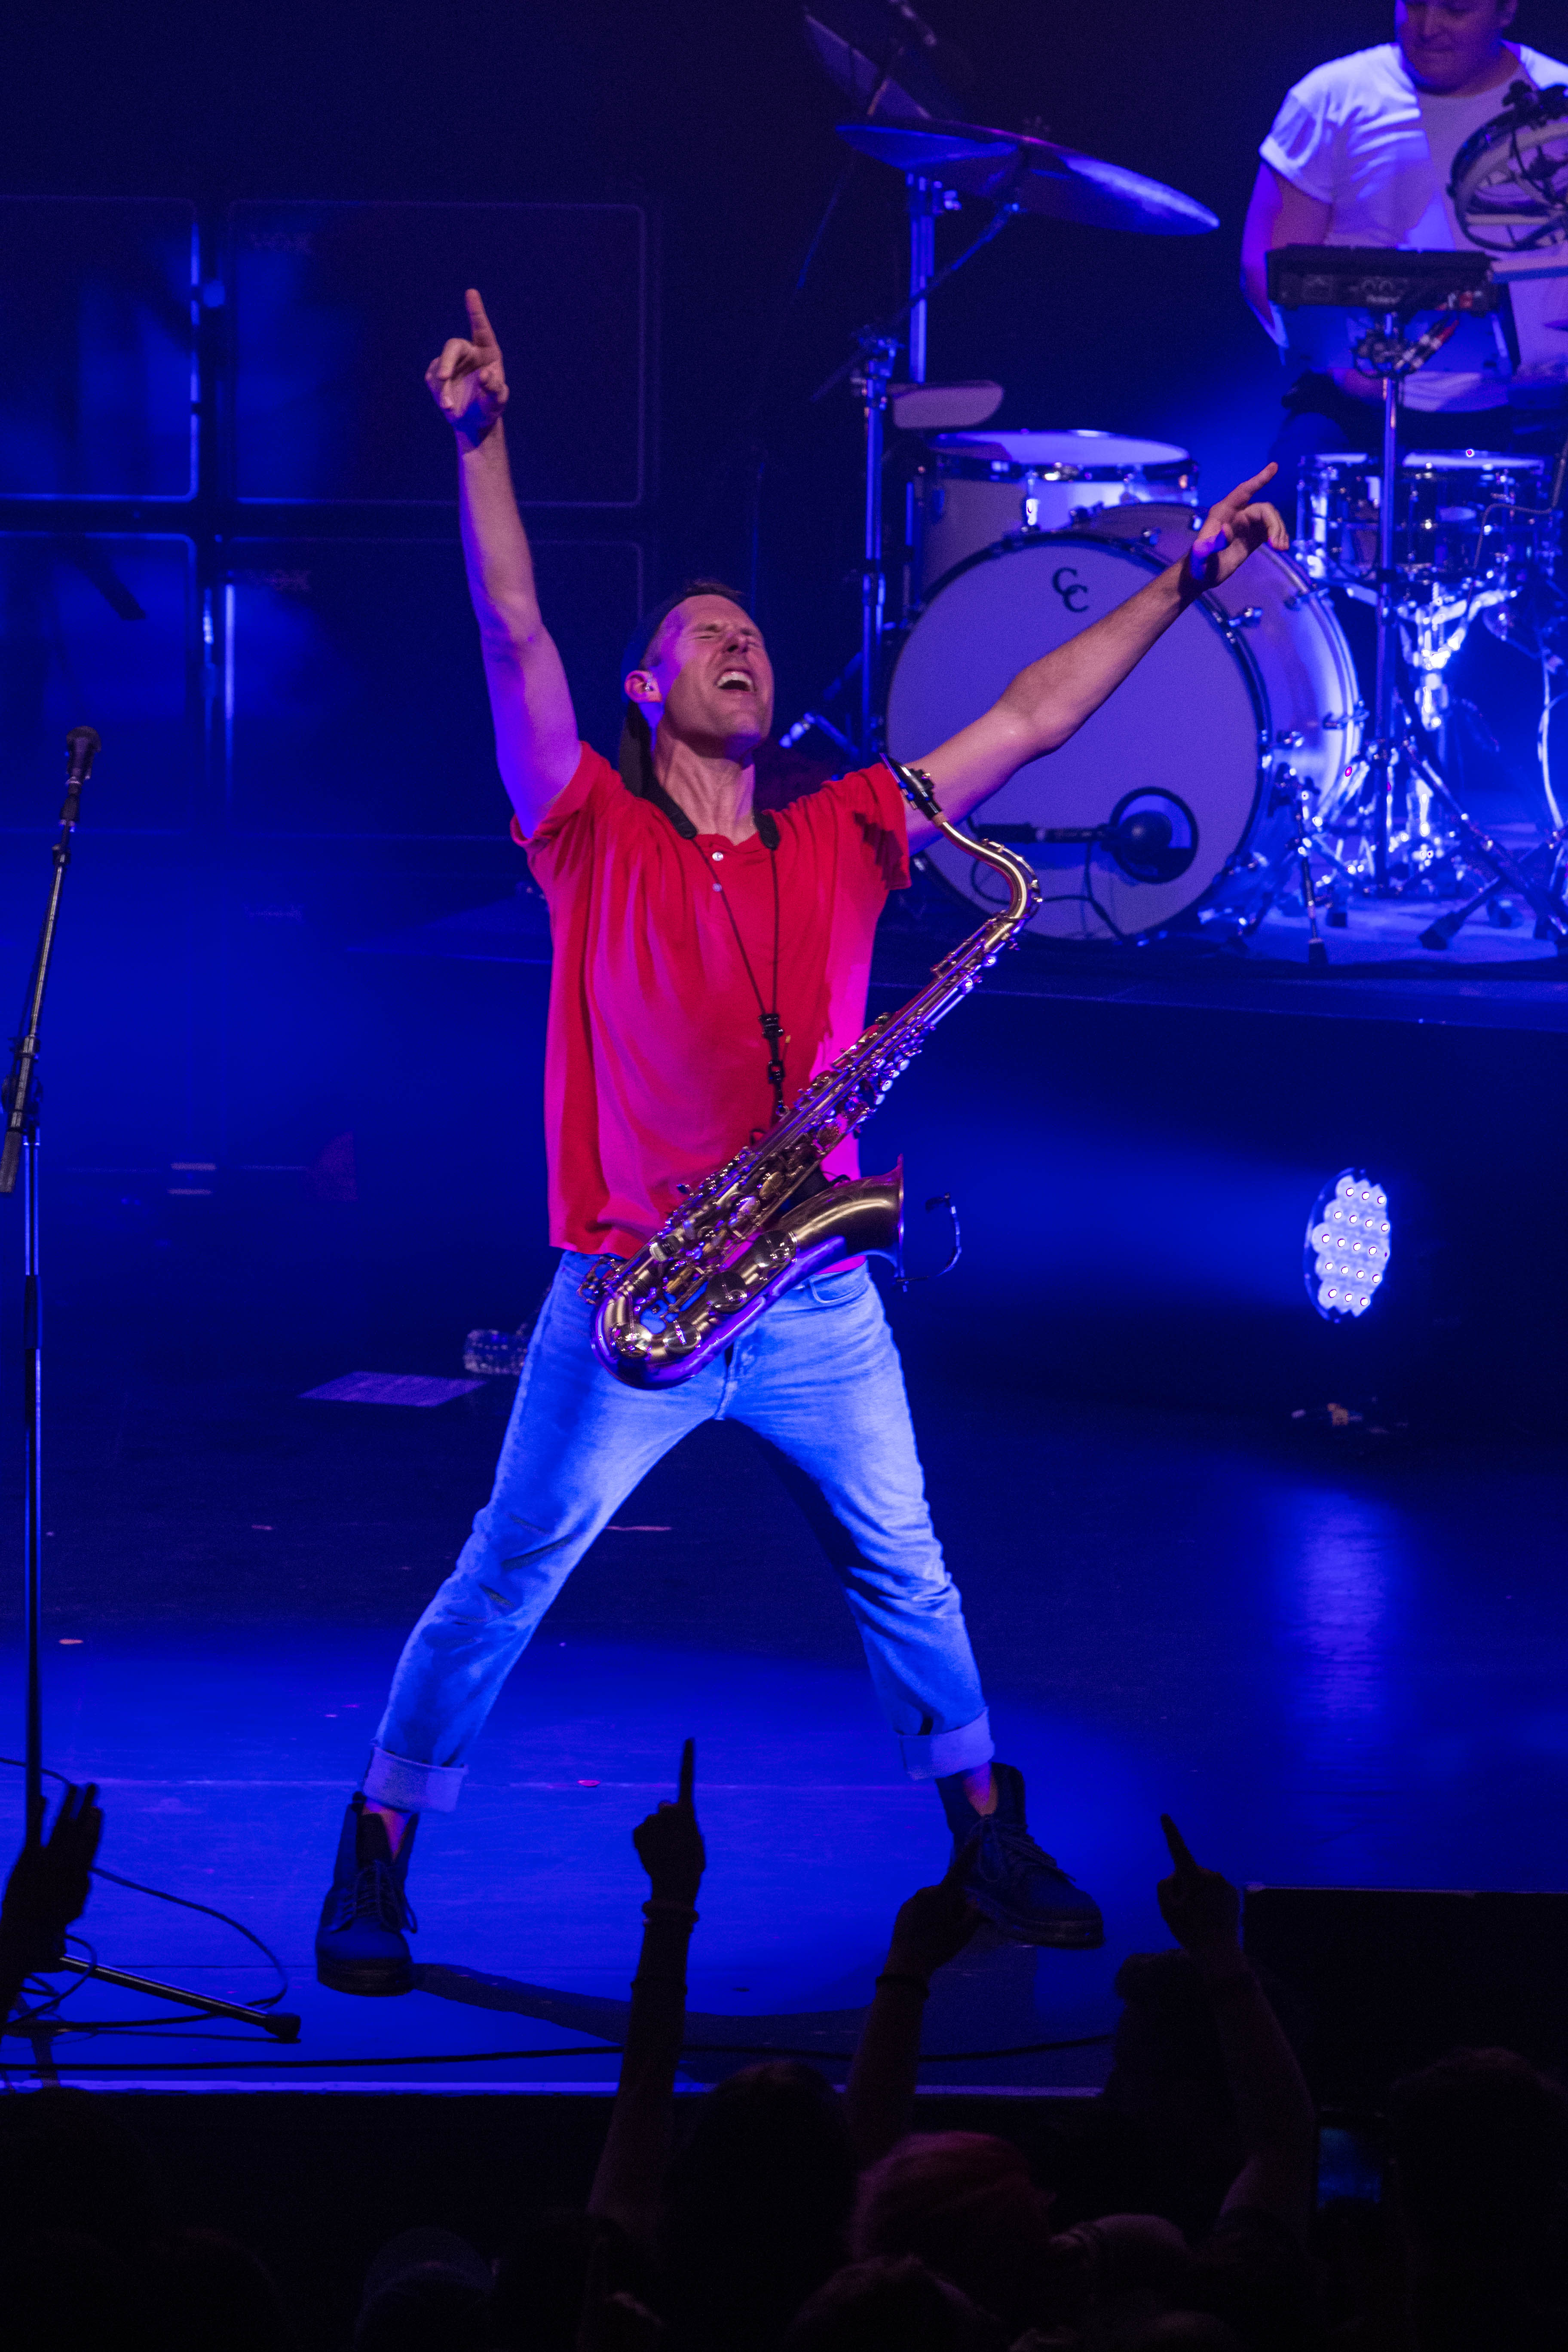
{"x":648,"y":1341}
{"x":769,"y":1218}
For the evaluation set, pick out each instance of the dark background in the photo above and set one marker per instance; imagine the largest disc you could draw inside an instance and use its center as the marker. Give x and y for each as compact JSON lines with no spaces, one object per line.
{"x":719,"y":119}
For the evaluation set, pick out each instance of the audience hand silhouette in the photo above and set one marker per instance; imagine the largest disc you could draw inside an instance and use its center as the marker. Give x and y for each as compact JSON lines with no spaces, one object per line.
{"x":49,"y":1883}
{"x":936,"y":1923}
{"x":669,"y":1843}
{"x":1201,"y":1907}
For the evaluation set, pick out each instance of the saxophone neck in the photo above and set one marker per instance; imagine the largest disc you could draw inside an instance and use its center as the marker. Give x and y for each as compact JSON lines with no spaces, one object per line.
{"x":1022,"y":881}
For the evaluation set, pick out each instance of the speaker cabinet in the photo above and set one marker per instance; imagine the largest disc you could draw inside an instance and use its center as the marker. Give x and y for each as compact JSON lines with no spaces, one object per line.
{"x":1387,"y":1980}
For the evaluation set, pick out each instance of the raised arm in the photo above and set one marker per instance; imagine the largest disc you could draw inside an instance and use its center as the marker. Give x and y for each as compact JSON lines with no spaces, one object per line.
{"x":931,"y":1929}
{"x":630,"y":2176}
{"x":531,"y":702}
{"x":1049,"y":702}
{"x":1277,"y":215}
{"x":1273,"y":2107}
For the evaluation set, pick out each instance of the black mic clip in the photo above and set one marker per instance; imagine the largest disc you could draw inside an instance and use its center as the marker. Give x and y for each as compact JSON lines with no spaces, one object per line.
{"x":1152,"y":835}
{"x":83,"y":747}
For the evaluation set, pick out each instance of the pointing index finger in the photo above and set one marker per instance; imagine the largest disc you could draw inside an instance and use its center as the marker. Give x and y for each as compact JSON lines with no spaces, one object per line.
{"x":1244,"y":491}
{"x":1180,"y":1853}
{"x":688,"y":1773}
{"x":483,"y":331}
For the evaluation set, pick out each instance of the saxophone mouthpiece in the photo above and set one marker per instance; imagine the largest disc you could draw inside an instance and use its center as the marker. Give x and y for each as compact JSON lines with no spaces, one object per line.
{"x":918,"y":788}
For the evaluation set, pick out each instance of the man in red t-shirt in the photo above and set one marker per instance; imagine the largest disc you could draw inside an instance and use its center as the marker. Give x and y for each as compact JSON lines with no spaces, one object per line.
{"x":708,"y":960}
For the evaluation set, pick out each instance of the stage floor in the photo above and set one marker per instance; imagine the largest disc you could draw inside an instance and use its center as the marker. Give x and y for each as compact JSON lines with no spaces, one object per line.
{"x":1333,"y":1665}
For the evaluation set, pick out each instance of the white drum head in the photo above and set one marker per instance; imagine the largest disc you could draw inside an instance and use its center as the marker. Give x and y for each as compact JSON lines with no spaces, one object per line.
{"x":1077,"y":447}
{"x":1185,"y":724}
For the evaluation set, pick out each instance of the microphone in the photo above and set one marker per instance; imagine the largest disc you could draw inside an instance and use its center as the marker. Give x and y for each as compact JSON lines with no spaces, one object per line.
{"x":1152,"y":835}
{"x":83,"y":747}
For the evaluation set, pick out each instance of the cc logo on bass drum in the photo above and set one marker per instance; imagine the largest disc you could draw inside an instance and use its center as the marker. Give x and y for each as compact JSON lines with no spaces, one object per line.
{"x":1073,"y":592}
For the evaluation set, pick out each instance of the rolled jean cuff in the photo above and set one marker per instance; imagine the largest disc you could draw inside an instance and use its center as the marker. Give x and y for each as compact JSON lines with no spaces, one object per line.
{"x":410,"y":1788}
{"x":932,"y":1755}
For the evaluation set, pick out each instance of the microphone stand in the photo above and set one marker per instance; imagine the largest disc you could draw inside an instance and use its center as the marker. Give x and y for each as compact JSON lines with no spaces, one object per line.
{"x":19,"y":1156}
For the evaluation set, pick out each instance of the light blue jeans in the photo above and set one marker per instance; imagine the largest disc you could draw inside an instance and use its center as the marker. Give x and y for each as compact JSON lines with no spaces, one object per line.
{"x":819,"y":1377}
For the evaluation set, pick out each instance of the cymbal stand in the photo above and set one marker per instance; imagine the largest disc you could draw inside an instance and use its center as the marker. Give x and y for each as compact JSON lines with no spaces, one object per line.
{"x":872,"y":380}
{"x":924,"y":200}
{"x":869,"y":370}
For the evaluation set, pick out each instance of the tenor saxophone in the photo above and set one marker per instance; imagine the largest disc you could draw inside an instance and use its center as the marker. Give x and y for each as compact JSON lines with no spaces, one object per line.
{"x":769,"y":1218}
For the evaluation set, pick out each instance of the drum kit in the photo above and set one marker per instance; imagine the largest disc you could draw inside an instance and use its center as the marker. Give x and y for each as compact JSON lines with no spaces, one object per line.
{"x":1243,"y":764}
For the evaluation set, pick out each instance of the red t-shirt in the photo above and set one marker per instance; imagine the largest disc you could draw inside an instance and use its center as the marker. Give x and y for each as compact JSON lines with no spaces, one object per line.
{"x":656,"y":1067}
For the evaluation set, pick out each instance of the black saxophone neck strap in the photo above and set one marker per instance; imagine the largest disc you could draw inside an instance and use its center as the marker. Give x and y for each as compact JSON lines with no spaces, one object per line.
{"x":635,"y":764}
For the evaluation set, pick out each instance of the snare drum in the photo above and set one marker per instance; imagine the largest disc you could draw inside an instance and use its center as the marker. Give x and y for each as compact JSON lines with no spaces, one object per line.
{"x":974,"y":489}
{"x":1248,"y":698}
{"x":1458,"y":516}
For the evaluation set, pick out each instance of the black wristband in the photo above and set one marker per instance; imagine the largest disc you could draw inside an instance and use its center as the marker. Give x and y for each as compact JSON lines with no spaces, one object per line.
{"x":900,"y":1975}
{"x":657,"y":1907}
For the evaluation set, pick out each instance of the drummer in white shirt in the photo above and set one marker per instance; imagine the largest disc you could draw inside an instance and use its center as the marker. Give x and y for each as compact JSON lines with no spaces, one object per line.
{"x":1361,"y":153}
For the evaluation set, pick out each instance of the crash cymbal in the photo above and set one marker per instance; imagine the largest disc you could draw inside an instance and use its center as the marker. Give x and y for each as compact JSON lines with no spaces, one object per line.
{"x":888,"y":59}
{"x":1068,"y":185}
{"x":931,"y":149}
{"x":1037,"y":173}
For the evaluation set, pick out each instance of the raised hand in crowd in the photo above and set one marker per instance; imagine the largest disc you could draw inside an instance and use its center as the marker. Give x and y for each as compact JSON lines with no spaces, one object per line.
{"x":1273,"y":2108}
{"x":468,"y":378}
{"x":630,"y":2176}
{"x":669,"y":1844}
{"x":48,"y":1888}
{"x":1201,"y":1907}
{"x":931,"y":1929}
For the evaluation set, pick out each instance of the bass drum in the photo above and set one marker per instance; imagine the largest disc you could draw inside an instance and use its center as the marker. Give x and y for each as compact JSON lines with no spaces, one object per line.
{"x":1195,"y":760}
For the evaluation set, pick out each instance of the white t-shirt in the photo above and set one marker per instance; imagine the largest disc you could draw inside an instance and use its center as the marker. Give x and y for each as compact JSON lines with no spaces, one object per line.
{"x":1360,"y":135}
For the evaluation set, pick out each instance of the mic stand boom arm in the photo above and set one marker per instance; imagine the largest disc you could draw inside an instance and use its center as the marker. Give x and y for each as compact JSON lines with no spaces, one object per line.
{"x":20,"y":1108}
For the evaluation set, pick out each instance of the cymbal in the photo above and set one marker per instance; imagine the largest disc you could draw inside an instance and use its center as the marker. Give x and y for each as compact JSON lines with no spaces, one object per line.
{"x":887,"y":59}
{"x":1044,"y":178}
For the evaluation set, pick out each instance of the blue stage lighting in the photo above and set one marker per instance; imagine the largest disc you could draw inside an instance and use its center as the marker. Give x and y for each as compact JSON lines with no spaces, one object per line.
{"x":1348,"y":1239}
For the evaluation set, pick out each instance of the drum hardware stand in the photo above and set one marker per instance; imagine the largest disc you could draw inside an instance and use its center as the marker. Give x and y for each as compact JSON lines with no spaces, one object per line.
{"x":869,"y":370}
{"x":1432,"y":633}
{"x":1545,"y":897}
{"x":1393,"y":285}
{"x":1392,"y":763}
{"x":1307,"y":839}
{"x":1376,"y":767}
{"x":1302,"y":842}
{"x":19,"y":1156}
{"x":870,"y":381}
